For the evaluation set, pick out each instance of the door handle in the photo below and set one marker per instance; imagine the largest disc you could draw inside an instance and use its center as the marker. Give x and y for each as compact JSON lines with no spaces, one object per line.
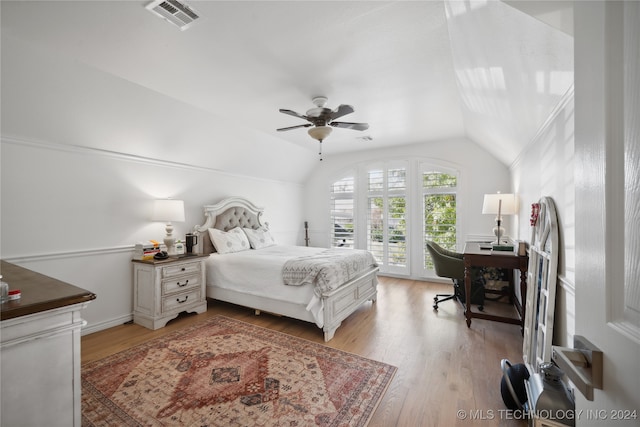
{"x":582,"y":364}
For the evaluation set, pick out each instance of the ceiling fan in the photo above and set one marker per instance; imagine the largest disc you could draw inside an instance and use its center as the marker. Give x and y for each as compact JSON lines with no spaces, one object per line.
{"x":321,"y":120}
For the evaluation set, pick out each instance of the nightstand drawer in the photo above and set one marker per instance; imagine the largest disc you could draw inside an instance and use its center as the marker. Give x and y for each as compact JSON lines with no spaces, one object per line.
{"x":180,"y":283}
{"x":180,"y":269}
{"x":178,"y":301}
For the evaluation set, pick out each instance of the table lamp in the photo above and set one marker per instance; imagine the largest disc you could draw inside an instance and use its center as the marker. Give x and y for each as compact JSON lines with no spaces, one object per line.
{"x":169,"y":210}
{"x":499,"y":204}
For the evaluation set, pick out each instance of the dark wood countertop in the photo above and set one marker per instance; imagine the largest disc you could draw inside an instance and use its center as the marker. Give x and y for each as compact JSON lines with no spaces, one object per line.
{"x":39,"y":292}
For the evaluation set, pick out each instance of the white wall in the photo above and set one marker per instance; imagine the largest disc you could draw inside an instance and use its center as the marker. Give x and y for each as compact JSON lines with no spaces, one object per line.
{"x":75,"y":214}
{"x":546,"y":168}
{"x":479,"y":173}
{"x":49,"y":97}
{"x":84,"y":154}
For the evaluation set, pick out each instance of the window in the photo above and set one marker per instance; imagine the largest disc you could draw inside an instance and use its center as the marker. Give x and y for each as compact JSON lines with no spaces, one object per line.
{"x":342,"y":213}
{"x":373,"y":208}
{"x":439,"y":211}
{"x":386,"y":222}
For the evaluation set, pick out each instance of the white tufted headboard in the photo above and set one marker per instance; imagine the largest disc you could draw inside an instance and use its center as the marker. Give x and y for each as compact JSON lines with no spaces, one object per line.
{"x":225,"y":215}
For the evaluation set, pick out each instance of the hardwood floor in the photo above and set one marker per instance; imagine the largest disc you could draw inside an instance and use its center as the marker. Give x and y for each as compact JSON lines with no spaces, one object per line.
{"x":448,"y":374}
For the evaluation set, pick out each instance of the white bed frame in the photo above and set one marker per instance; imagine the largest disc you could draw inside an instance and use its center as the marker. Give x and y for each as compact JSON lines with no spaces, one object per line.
{"x":338,"y":303}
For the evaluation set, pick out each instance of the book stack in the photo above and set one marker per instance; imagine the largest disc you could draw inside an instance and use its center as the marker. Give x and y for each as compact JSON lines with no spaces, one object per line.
{"x":146,"y":250}
{"x":503,"y":247}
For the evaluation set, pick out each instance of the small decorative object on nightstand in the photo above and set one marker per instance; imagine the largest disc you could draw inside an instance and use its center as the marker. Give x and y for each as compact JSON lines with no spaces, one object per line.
{"x":162,"y":289}
{"x":179,"y":247}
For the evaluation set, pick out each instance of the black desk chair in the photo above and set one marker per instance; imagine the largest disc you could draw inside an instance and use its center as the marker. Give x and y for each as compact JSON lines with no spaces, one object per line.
{"x":450,"y":264}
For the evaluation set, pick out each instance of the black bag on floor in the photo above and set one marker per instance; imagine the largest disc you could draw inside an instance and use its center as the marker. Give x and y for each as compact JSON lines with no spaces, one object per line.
{"x":477,"y":292}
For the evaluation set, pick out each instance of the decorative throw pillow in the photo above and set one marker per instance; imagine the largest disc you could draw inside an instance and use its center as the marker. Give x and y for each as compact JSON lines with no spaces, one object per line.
{"x":226,"y":242}
{"x":260,"y":238}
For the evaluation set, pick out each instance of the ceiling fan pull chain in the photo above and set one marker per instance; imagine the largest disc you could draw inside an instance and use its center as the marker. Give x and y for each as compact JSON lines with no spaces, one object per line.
{"x":320,"y":149}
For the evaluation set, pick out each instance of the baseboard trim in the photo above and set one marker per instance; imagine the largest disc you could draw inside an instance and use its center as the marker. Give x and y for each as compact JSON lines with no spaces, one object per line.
{"x":97,"y":327}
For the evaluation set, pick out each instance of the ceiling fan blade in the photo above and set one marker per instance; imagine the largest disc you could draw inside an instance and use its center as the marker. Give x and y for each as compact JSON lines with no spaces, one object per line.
{"x":347,"y":125}
{"x":295,"y":127}
{"x":342,"y":110}
{"x":293,"y":113}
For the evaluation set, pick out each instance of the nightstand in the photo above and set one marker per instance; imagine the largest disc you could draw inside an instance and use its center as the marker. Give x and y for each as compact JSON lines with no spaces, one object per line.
{"x":162,"y":289}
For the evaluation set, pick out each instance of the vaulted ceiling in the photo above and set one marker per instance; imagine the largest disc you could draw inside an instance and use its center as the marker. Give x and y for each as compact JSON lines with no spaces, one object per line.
{"x":416,"y":71}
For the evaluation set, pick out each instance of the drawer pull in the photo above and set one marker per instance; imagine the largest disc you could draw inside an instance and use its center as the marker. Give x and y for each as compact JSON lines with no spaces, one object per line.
{"x":182,"y":285}
{"x":184,"y":300}
{"x":183,"y":269}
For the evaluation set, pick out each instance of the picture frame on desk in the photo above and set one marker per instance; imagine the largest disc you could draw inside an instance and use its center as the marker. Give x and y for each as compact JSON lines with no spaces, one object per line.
{"x":522,"y":248}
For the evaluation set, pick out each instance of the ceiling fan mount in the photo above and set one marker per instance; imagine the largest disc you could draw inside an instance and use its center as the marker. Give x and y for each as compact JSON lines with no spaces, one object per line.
{"x":320,"y":114}
{"x":320,"y":101}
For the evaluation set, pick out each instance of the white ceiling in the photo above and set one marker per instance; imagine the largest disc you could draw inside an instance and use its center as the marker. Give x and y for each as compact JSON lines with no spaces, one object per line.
{"x":416,"y":71}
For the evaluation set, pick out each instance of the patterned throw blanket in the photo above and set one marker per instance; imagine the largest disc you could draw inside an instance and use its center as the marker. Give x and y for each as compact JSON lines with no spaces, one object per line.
{"x":328,"y":269}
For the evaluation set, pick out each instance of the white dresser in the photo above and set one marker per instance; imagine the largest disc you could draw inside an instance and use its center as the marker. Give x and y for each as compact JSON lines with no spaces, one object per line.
{"x":40,"y":350}
{"x":162,"y":289}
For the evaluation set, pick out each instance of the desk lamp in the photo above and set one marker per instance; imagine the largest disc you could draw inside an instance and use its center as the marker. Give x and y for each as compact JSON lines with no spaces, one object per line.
{"x":499,"y":204}
{"x":168,"y":210}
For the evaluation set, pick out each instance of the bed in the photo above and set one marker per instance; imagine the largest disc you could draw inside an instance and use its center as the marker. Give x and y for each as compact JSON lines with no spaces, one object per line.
{"x":318,"y":285}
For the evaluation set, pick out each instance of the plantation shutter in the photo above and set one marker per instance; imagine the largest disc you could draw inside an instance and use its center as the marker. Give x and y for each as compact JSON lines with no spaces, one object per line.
{"x":342,"y":213}
{"x":439,"y":191}
{"x":386,"y":217}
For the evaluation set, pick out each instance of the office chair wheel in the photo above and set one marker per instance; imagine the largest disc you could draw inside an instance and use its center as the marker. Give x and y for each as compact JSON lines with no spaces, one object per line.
{"x":481,"y":308}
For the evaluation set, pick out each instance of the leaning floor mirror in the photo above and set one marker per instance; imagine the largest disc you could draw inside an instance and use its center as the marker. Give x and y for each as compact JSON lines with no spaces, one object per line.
{"x":541,"y":291}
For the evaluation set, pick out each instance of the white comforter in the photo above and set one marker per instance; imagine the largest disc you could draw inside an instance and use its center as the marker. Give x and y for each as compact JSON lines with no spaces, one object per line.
{"x":259,"y":272}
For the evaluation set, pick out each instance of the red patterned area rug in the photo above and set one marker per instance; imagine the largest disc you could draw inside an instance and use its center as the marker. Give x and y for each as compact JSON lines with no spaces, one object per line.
{"x":225,"y":372}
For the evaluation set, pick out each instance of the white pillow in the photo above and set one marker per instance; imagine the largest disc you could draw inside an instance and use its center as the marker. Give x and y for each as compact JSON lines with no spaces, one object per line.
{"x":226,"y":242}
{"x":260,"y":238}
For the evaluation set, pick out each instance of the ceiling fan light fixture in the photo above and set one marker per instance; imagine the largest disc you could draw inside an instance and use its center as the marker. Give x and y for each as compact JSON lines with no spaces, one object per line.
{"x":320,"y":132}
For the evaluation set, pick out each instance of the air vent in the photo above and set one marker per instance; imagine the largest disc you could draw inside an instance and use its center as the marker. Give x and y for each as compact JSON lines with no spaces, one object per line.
{"x":177,"y":13}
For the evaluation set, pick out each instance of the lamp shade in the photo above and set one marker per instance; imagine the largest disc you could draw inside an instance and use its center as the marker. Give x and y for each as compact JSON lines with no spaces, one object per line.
{"x":320,"y":132}
{"x":168,"y":210}
{"x":492,"y":204}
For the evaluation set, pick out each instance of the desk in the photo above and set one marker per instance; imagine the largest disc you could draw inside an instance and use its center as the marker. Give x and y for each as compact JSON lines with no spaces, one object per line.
{"x":476,"y":257}
{"x":40,"y":350}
